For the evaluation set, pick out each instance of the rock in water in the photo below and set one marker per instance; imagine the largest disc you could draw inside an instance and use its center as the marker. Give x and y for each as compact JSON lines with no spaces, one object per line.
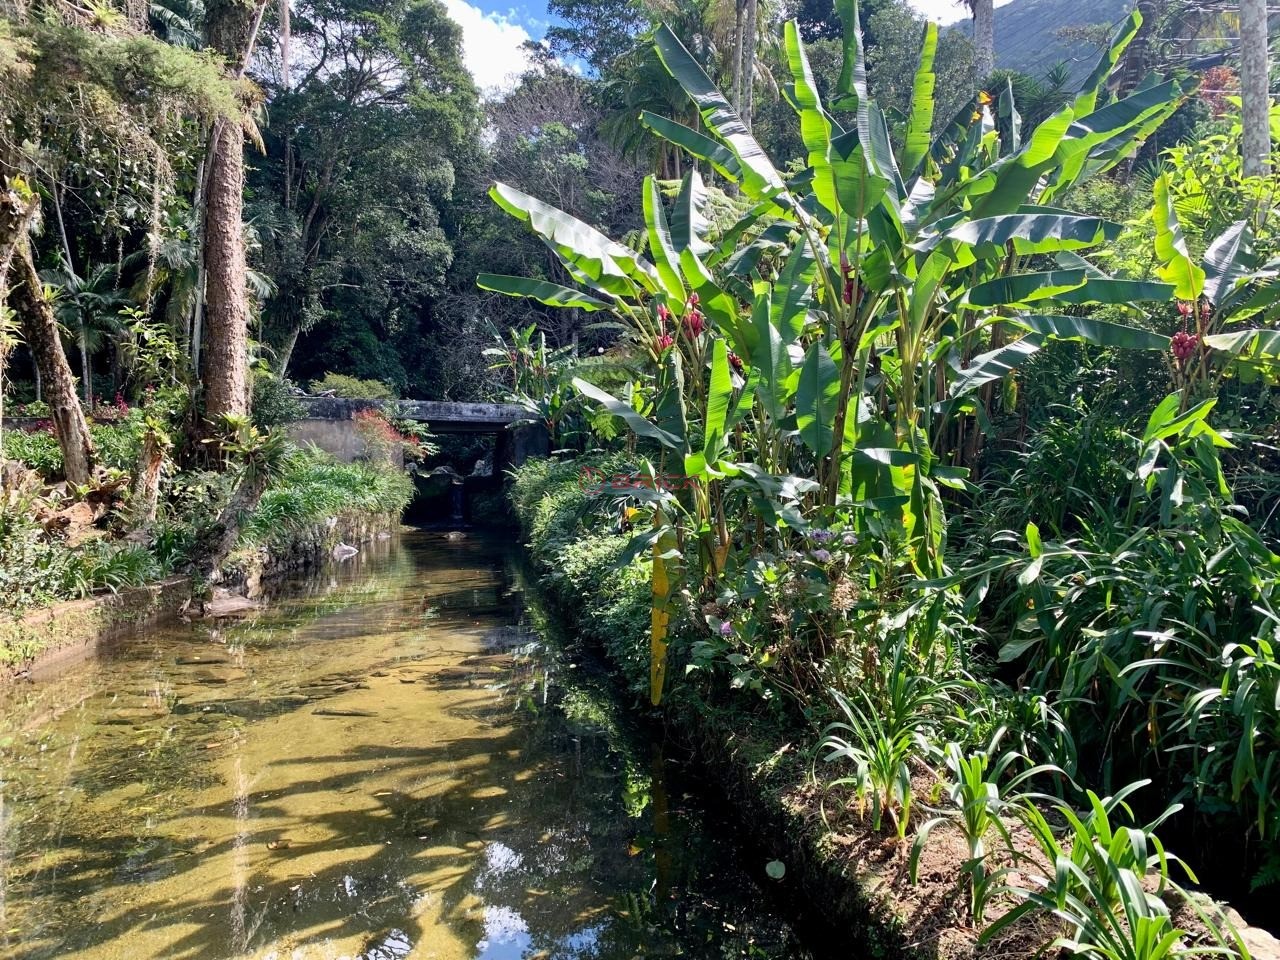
{"x":227,"y":604}
{"x":344,"y":551}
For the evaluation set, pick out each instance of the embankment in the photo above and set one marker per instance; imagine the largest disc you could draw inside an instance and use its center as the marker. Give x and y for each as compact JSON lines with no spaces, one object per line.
{"x":55,"y":636}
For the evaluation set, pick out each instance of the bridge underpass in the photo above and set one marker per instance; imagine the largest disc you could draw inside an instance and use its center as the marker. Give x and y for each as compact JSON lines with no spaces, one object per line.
{"x":329,"y":425}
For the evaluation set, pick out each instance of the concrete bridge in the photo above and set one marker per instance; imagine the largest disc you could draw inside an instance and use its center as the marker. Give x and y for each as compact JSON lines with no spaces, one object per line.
{"x":328,"y":425}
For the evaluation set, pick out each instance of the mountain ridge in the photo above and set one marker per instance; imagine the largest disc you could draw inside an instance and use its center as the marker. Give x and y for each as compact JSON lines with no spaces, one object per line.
{"x":1027,"y":37}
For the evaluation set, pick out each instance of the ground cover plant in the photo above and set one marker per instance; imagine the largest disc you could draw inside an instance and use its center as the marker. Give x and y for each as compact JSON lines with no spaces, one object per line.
{"x":824,"y":362}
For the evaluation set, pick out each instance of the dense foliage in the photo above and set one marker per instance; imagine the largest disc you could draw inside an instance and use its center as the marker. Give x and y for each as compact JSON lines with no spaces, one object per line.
{"x":893,"y":462}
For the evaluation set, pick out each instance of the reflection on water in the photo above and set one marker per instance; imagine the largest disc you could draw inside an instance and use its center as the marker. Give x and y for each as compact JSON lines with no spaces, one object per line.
{"x":367,"y":770}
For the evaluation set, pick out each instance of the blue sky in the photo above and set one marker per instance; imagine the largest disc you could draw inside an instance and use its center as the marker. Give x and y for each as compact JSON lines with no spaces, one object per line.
{"x":494,"y":31}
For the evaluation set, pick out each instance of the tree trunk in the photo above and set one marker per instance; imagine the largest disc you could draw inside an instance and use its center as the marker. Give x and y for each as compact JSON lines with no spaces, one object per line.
{"x":984,"y":41}
{"x":737,"y":57}
{"x":86,"y":373}
{"x":40,"y":329}
{"x":750,"y":36}
{"x":286,"y":348}
{"x":232,"y":27}
{"x":146,"y":486}
{"x":226,"y":333}
{"x":1254,"y":87}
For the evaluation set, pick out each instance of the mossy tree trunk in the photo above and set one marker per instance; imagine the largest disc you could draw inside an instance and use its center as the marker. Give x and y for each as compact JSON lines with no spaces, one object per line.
{"x":21,"y":287}
{"x":231,"y":25}
{"x":40,"y":330}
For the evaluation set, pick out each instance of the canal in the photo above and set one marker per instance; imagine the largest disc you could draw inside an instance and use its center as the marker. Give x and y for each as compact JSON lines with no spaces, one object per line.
{"x":389,"y":761}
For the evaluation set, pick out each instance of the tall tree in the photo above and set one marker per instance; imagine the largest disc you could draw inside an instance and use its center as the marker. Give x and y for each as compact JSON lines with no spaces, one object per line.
{"x":751,"y":38}
{"x":1255,"y":81}
{"x":83,"y":96}
{"x":231,"y":27}
{"x":596,"y":31}
{"x":40,"y":330}
{"x":984,"y":39}
{"x":360,"y":162}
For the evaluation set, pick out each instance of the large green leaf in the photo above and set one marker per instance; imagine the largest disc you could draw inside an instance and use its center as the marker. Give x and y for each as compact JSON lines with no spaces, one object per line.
{"x":588,"y":255}
{"x":1228,"y":260}
{"x":816,"y":399}
{"x":1025,"y":287}
{"x":815,"y":127}
{"x":1254,"y":344}
{"x":994,"y":365}
{"x":1065,"y":286}
{"x":759,"y":178}
{"x":1112,"y":291}
{"x":853,"y":72}
{"x":639,"y":424}
{"x":689,"y":219}
{"x":920,"y":121}
{"x":772,"y":359}
{"x":1098,"y":141}
{"x":1033,"y":233}
{"x":1100,"y":333}
{"x":697,"y":145}
{"x":858,"y":187}
{"x":1176,"y":267}
{"x":719,"y":393}
{"x":1008,"y":108}
{"x":665,"y":256}
{"x":552,"y":294}
{"x":1087,"y":99}
{"x":796,"y":283}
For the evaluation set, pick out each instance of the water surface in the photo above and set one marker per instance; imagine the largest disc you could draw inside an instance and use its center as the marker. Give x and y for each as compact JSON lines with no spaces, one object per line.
{"x":387,"y":763}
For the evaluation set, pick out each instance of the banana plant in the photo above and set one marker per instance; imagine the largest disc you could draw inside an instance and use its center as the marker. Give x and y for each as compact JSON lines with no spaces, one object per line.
{"x":852,"y":324}
{"x":1228,"y":304}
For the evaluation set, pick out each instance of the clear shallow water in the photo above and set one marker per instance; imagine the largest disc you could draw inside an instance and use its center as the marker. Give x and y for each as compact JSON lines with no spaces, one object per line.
{"x":376,"y":768}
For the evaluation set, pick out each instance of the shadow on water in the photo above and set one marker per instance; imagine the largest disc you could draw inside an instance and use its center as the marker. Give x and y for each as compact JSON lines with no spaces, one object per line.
{"x":376,"y":767}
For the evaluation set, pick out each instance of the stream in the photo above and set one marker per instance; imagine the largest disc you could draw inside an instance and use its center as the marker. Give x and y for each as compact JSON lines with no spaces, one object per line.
{"x":387,"y":762}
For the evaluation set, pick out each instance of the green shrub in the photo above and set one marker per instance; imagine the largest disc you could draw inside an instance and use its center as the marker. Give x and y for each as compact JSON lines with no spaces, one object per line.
{"x":273,"y":401}
{"x":34,"y":570}
{"x":117,"y":446}
{"x":314,"y":488}
{"x":353,"y":388}
{"x":38,"y":449}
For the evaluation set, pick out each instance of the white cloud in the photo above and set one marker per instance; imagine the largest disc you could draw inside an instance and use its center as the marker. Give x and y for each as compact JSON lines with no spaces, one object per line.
{"x":491,"y":45}
{"x":946,"y":11}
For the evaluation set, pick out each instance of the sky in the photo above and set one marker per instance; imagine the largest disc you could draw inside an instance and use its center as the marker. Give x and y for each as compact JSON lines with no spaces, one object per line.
{"x":493,"y":32}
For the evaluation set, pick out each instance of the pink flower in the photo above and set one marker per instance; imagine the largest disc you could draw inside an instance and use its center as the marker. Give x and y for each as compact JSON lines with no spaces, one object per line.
{"x":694,"y":323}
{"x":735,"y":361}
{"x":1184,"y":345}
{"x":665,"y":341}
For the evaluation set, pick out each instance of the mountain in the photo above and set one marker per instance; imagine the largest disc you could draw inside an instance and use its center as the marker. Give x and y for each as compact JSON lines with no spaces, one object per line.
{"x":1027,"y":33}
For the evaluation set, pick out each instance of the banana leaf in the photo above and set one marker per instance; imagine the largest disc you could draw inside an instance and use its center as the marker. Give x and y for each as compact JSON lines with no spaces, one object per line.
{"x":551,"y":294}
{"x":1176,"y":267}
{"x":759,"y":178}
{"x":665,"y":256}
{"x":589,"y":255}
{"x":816,"y":398}
{"x":1100,"y":333}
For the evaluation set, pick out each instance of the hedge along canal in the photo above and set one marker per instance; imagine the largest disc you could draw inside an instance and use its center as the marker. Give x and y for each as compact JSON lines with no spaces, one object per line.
{"x":387,"y":762}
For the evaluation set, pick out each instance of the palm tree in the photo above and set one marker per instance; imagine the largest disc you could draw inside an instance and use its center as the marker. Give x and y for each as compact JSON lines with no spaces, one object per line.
{"x":984,"y":39}
{"x":1254,"y":86}
{"x":89,"y":307}
{"x":179,"y":22}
